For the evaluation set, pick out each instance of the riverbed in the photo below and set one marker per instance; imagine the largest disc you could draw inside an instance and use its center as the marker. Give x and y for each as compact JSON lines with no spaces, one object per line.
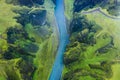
{"x":63,"y":40}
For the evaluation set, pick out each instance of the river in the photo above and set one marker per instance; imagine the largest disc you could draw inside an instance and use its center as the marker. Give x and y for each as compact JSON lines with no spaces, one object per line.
{"x":63,"y":40}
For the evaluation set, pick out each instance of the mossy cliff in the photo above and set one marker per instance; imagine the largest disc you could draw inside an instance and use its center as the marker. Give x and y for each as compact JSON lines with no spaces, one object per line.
{"x":28,"y":39}
{"x":93,"y":51}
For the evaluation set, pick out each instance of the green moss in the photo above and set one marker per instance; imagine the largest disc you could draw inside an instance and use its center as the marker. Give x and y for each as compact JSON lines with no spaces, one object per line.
{"x":69,"y":8}
{"x":7,"y":16}
{"x":24,"y":34}
{"x":49,"y":42}
{"x":8,"y":67}
{"x":45,"y":58}
{"x":111,"y":27}
{"x":93,"y":48}
{"x":87,"y":77}
{"x":32,"y":33}
{"x":3,"y":45}
{"x":116,"y":71}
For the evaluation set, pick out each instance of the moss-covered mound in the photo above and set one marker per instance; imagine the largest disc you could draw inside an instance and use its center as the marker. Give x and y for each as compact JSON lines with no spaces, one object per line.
{"x":93,"y":51}
{"x":88,"y":56}
{"x":27,"y":34}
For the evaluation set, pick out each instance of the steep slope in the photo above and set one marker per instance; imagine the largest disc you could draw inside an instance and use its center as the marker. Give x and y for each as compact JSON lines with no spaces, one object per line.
{"x":93,"y":51}
{"x":28,"y":33}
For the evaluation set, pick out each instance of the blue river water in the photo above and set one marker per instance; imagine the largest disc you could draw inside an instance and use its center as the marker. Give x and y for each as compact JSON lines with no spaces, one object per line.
{"x":63,"y":40}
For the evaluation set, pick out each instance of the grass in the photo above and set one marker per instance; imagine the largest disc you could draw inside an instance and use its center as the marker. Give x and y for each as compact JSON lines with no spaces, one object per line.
{"x":91,"y":55}
{"x":6,"y":16}
{"x":32,"y":33}
{"x":45,"y":55}
{"x":100,"y":42}
{"x":3,"y":45}
{"x":87,"y":78}
{"x":110,"y":26}
{"x":68,"y":8}
{"x":116,"y":72}
{"x":48,"y":46}
{"x":45,"y":58}
{"x":9,"y":68}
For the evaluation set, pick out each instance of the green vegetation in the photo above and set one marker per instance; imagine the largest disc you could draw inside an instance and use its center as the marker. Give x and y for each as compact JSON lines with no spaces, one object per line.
{"x":90,"y":52}
{"x":116,"y":71}
{"x":68,"y":8}
{"x":44,"y":59}
{"x":46,"y":54}
{"x":108,"y":25}
{"x":3,"y":45}
{"x":111,"y":5}
{"x":93,"y":51}
{"x":28,"y":3}
{"x":15,"y":69}
{"x":86,"y":4}
{"x":27,"y":37}
{"x":28,"y":40}
{"x":7,"y":16}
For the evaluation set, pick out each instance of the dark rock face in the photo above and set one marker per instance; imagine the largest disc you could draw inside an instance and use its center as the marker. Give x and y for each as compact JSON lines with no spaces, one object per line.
{"x":54,"y":1}
{"x":81,"y":4}
{"x":13,"y":34}
{"x":26,"y":69}
{"x":25,"y":2}
{"x":76,"y":55}
{"x":38,"y":1}
{"x":38,"y":18}
{"x":31,"y":2}
{"x":112,"y":6}
{"x":79,"y":23}
{"x":75,"y":25}
{"x":72,"y":57}
{"x":35,"y":18}
{"x":23,"y":44}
